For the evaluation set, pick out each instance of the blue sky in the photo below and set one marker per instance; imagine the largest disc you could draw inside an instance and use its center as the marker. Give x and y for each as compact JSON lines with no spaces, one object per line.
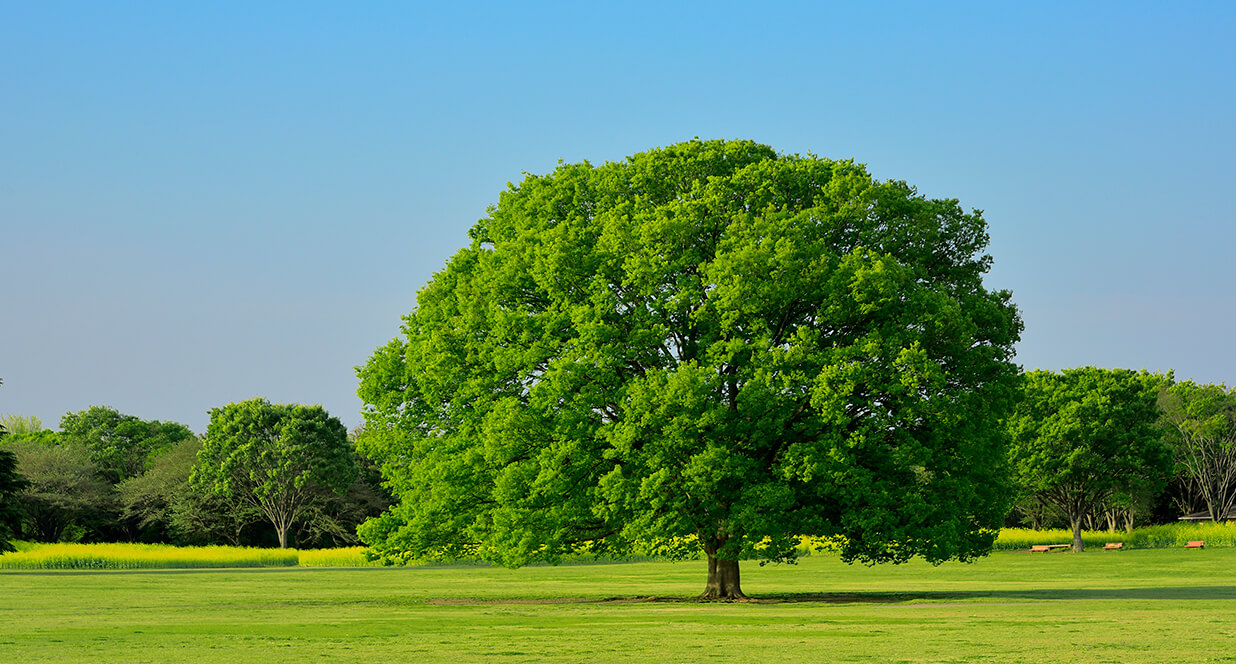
{"x":201,"y":204}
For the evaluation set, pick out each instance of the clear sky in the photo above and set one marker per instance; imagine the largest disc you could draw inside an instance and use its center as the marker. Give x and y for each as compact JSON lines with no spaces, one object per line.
{"x":206,"y":202}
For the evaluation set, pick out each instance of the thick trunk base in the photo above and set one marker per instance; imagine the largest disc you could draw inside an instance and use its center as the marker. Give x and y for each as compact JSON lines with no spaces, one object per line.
{"x":723,"y":580}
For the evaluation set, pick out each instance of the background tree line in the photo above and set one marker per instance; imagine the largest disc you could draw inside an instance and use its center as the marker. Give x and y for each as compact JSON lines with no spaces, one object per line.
{"x":264,"y":475}
{"x":1089,"y":448}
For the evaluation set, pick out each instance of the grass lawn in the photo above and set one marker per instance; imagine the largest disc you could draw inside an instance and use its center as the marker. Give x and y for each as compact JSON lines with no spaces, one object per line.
{"x":1127,"y":606}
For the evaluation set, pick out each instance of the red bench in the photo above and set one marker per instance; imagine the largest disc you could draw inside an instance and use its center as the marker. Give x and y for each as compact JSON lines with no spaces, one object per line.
{"x":1112,"y":546}
{"x":1196,"y":544}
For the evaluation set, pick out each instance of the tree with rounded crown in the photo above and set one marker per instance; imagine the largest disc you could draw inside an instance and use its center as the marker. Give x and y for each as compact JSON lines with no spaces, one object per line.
{"x":1083,"y":435}
{"x":282,"y":459}
{"x":709,"y":346}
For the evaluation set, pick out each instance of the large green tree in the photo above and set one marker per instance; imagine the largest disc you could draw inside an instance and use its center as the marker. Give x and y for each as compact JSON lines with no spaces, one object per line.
{"x":707,"y":346}
{"x":1083,"y":436}
{"x":283,"y":459}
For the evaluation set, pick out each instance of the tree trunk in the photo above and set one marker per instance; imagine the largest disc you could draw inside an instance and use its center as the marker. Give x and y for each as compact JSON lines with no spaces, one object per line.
{"x":1077,"y":540}
{"x":282,"y":531}
{"x":723,"y":581}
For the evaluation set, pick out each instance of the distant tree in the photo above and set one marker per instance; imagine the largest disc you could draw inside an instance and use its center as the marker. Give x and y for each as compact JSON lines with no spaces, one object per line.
{"x":11,"y":485}
{"x":281,"y":459}
{"x":708,"y":347}
{"x":198,"y":517}
{"x":1082,"y":436}
{"x":64,"y":489}
{"x":147,"y":499}
{"x":45,"y":437}
{"x":19,"y":425}
{"x":1201,"y":423}
{"x":121,"y":444}
{"x":11,"y":482}
{"x":334,"y":521}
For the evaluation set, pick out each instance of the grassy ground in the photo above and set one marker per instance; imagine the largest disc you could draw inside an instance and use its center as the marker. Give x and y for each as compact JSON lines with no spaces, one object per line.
{"x":1126,"y":606}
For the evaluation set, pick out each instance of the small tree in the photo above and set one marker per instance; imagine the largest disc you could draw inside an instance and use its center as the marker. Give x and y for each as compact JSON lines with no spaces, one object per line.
{"x":281,"y":459}
{"x":1201,"y":423}
{"x":1082,"y":436}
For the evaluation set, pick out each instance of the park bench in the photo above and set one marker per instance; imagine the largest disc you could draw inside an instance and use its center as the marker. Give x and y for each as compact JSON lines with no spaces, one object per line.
{"x":1112,"y":546}
{"x":1049,"y":547}
{"x":1196,"y":544}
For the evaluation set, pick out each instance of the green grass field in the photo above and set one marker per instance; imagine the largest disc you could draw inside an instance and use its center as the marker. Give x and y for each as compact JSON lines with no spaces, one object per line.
{"x":1128,"y":606}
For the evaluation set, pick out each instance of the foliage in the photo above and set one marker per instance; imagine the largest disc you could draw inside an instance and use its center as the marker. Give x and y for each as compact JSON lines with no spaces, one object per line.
{"x":64,"y":489}
{"x":166,"y":504}
{"x":1202,"y":422}
{"x":281,"y":459}
{"x":121,"y":444}
{"x":17,"y":425}
{"x":1084,"y":436}
{"x":333,"y":521}
{"x":148,"y":498}
{"x":707,"y":340}
{"x":200,"y":517}
{"x":12,"y":483}
{"x":45,"y":437}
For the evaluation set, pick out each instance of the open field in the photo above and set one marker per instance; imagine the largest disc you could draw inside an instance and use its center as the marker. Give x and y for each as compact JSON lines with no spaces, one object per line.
{"x":1127,"y":606}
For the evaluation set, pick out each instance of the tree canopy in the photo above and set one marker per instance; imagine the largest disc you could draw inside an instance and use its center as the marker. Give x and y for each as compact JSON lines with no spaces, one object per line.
{"x":1082,"y":436}
{"x":63,"y":490}
{"x":280,"y":458}
{"x":707,"y":345}
{"x":121,"y":444}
